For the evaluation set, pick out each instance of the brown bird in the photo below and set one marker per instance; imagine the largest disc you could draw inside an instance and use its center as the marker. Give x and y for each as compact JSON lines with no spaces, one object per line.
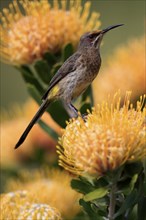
{"x":73,"y":77}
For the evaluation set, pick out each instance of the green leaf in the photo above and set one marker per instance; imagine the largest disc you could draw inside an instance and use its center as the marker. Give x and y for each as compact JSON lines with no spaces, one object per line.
{"x":88,"y":179}
{"x":34,"y":93}
{"x":25,"y":68}
{"x":96,"y":194}
{"x":102,"y":203}
{"x":31,"y":79}
{"x":55,"y":68}
{"x":101,"y":182}
{"x":58,"y":113}
{"x":100,"y":208}
{"x":142,"y":208}
{"x":133,"y":181}
{"x":84,"y":108}
{"x":88,"y":94}
{"x":133,"y":198}
{"x":82,"y":187}
{"x":80,"y":216}
{"x":43,"y":70}
{"x":133,"y":168}
{"x":89,"y":210}
{"x":67,"y":51}
{"x":48,"y":129}
{"x":50,"y":58}
{"x":130,"y":186}
{"x":129,"y":202}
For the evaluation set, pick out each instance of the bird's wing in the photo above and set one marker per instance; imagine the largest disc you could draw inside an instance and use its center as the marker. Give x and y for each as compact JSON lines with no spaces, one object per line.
{"x":68,"y":66}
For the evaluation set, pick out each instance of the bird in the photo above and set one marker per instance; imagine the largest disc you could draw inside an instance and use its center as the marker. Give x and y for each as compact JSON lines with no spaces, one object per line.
{"x":73,"y":77}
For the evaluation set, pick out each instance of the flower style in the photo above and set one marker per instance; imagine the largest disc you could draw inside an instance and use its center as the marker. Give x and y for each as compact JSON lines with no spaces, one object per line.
{"x":110,"y":137}
{"x":48,"y":187}
{"x":127,"y":66}
{"x":26,"y":36}
{"x":14,"y":205}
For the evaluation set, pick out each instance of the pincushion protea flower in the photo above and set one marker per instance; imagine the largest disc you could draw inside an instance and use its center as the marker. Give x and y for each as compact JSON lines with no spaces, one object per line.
{"x":20,"y":115}
{"x":11,"y":203}
{"x":46,"y":186}
{"x":39,"y":211}
{"x":127,"y":66}
{"x":26,"y":36}
{"x":14,"y":205}
{"x":110,"y":137}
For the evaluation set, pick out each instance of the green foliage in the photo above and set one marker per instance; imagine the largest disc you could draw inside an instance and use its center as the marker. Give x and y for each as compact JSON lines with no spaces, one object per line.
{"x":129,"y":193}
{"x":142,"y":208}
{"x":96,"y":194}
{"x":31,"y":79}
{"x":43,"y":71}
{"x":88,"y":95}
{"x":48,"y":130}
{"x":88,"y":208}
{"x":67,"y":52}
{"x":82,"y":185}
{"x":84,"y":107}
{"x":34,"y":93}
{"x":58,"y":113}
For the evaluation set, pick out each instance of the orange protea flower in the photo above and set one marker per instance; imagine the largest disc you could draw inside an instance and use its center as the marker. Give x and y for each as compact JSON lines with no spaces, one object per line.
{"x":125,"y":70}
{"x":110,"y":137}
{"x":11,"y":203}
{"x":15,"y":205}
{"x":39,"y":211}
{"x":48,"y":187}
{"x":41,"y":28}
{"x":19,"y":115}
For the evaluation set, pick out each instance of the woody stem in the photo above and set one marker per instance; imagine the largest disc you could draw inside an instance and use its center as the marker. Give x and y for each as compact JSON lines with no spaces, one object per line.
{"x":112,"y":202}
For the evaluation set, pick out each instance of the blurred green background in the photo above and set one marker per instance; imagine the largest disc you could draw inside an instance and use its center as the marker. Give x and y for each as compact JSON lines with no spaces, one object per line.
{"x":129,"y":12}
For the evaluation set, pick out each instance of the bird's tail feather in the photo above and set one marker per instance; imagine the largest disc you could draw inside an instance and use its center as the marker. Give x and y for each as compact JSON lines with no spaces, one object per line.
{"x":39,"y":113}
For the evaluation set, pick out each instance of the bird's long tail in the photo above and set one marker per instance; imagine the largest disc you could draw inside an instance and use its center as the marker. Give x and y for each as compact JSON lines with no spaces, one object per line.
{"x":39,"y":113}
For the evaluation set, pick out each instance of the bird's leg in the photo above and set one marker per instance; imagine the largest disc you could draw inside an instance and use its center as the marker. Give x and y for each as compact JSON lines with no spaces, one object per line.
{"x":84,"y":116}
{"x":71,"y":110}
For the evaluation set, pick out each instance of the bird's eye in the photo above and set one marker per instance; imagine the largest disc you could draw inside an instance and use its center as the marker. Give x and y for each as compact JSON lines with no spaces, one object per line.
{"x":91,"y":36}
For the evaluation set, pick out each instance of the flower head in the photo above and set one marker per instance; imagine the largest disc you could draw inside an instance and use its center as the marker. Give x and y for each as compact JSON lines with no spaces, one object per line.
{"x":42,"y":28}
{"x":127,"y":66}
{"x":39,"y":211}
{"x":11,"y":203}
{"x":48,"y":187}
{"x":18,"y":118}
{"x":14,"y":205}
{"x":110,"y":137}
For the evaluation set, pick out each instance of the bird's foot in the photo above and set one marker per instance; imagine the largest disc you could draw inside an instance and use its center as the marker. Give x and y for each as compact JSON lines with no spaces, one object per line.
{"x":85,"y":116}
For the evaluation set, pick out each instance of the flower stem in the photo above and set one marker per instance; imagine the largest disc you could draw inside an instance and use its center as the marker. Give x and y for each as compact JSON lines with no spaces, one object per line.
{"x":112,"y":204}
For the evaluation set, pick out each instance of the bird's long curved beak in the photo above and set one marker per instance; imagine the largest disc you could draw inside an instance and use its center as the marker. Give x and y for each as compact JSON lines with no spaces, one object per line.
{"x":99,"y":34}
{"x":110,"y":28}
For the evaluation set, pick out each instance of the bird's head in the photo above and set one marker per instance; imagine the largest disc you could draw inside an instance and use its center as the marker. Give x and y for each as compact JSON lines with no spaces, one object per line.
{"x":94,"y":38}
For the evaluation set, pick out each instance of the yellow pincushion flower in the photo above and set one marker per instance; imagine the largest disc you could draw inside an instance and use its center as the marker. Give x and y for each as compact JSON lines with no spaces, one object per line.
{"x":11,"y":203}
{"x":15,"y":205}
{"x":19,"y":115}
{"x":26,"y":36}
{"x":125,"y":69}
{"x":111,"y":136}
{"x":48,"y":187}
{"x":39,"y":212}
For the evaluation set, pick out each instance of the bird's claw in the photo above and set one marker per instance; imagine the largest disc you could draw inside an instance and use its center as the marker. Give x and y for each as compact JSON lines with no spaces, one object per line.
{"x":85,"y":116}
